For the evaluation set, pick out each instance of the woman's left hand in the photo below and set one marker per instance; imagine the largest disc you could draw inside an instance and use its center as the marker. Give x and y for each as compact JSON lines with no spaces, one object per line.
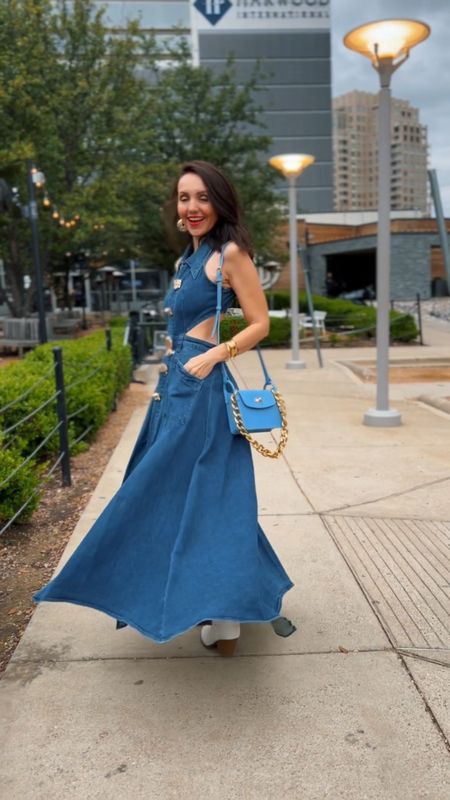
{"x":200,"y":366}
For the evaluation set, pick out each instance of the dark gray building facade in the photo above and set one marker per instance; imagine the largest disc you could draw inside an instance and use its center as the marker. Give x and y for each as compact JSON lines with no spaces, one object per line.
{"x":291,"y":41}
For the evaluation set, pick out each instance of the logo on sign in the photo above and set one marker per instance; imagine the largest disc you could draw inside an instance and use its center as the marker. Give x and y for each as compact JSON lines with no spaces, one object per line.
{"x":213,"y":10}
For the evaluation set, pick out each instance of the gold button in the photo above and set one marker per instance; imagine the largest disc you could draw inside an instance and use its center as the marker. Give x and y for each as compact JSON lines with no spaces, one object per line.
{"x":156,"y":396}
{"x":163,"y":369}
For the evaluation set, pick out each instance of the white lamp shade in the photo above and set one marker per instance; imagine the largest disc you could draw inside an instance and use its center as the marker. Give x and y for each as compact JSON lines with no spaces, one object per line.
{"x":291,"y":164}
{"x":387,"y":38}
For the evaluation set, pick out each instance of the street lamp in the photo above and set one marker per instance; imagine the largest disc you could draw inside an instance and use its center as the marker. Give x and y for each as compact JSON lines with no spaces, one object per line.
{"x":387,"y":43}
{"x":36,"y":178}
{"x":292,"y":165}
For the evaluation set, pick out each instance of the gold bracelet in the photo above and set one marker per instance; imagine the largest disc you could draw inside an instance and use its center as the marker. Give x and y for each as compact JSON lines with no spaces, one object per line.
{"x":232,"y":348}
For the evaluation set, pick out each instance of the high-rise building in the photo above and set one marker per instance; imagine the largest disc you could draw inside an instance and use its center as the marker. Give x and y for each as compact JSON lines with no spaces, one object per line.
{"x":355,"y":146}
{"x":291,"y":41}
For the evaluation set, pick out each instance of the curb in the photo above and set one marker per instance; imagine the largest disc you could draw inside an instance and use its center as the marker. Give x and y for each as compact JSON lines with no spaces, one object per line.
{"x":441,"y":403}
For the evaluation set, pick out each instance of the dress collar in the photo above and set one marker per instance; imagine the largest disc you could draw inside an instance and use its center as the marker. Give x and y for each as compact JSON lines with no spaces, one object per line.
{"x":196,"y":259}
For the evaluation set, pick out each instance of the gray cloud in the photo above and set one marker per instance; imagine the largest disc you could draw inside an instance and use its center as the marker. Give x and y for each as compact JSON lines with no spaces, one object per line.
{"x":423,"y":79}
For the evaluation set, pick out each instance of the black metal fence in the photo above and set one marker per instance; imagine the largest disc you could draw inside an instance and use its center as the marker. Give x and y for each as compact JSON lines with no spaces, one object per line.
{"x":59,"y":398}
{"x":145,"y":337}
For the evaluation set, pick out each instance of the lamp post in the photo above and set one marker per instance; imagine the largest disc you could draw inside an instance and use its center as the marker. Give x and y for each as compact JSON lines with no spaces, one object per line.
{"x":291,"y":165}
{"x":387,"y":43}
{"x":117,"y":275}
{"x":35,"y":178}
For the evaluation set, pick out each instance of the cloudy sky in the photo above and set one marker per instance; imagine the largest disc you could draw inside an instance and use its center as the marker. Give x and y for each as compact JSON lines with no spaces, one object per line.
{"x":424,"y":79}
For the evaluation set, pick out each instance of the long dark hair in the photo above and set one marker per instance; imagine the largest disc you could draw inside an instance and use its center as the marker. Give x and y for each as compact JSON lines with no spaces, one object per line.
{"x":222,"y":194}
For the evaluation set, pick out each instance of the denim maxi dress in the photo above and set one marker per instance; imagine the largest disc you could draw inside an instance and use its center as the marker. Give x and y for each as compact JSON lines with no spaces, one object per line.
{"x":179,"y":543}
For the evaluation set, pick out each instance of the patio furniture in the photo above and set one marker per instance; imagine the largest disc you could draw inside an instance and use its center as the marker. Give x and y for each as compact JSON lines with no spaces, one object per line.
{"x":305,"y":321}
{"x":21,"y":333}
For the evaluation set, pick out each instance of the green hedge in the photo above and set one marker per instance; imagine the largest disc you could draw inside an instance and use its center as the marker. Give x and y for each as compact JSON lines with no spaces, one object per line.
{"x":279,"y":335}
{"x":403,"y":327}
{"x":339,"y":312}
{"x":343,"y":314}
{"x":118,"y":322}
{"x":16,"y":491}
{"x":98,"y":393}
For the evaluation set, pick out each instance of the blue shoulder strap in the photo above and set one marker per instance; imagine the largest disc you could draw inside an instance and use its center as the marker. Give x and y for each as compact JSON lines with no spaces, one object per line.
{"x":219,"y":278}
{"x":216,"y":328}
{"x":267,"y":378}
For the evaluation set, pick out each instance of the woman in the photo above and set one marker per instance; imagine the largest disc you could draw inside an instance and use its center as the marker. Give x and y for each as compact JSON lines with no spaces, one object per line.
{"x":179,"y":545}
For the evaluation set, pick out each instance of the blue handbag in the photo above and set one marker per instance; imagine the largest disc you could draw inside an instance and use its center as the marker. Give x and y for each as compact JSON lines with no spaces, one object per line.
{"x":251,"y":410}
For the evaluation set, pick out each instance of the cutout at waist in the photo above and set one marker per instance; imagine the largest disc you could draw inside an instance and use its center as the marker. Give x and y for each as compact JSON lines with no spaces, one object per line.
{"x":203,"y":329}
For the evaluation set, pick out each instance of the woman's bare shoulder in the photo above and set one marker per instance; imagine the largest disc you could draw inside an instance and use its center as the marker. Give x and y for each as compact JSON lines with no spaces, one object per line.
{"x":235,"y":255}
{"x":232,"y":249}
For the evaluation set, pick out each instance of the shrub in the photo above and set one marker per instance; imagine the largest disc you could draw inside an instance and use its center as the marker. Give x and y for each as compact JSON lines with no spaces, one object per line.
{"x":279,"y":334}
{"x":403,"y":327}
{"x":118,"y":322}
{"x":339,"y":312}
{"x":343,"y":314}
{"x":17,"y":489}
{"x":90,"y":401}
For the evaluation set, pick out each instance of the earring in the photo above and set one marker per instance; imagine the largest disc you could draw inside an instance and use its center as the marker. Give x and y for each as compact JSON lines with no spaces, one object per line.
{"x":181,"y":226}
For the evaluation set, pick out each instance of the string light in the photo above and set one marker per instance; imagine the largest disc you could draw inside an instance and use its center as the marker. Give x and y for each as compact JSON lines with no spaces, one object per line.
{"x":39,"y":181}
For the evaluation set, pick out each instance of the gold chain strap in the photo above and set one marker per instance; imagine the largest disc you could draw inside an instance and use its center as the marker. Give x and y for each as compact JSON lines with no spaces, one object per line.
{"x":257,"y":445}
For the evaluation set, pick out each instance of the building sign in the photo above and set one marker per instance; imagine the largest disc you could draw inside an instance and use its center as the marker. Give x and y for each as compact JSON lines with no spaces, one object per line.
{"x":263,"y":15}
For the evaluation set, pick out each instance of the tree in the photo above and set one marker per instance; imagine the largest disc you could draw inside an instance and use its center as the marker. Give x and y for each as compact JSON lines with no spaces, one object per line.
{"x":71,"y":101}
{"x":24,"y":40}
{"x":79,"y":102}
{"x":214,"y":118}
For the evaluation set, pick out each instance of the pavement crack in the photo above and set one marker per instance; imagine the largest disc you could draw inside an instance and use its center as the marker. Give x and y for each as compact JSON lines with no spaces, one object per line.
{"x":434,"y":719}
{"x":95,"y":659}
{"x":401,"y":493}
{"x":421,"y":657}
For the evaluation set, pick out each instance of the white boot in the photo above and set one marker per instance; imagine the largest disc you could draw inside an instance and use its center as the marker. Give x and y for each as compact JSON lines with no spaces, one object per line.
{"x":222,"y":634}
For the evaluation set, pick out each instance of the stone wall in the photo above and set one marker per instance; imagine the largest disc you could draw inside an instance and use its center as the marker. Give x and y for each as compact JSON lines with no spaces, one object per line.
{"x":416,"y":256}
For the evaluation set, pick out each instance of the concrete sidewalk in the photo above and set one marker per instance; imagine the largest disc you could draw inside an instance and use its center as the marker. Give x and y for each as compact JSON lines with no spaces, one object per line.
{"x":354,"y":705}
